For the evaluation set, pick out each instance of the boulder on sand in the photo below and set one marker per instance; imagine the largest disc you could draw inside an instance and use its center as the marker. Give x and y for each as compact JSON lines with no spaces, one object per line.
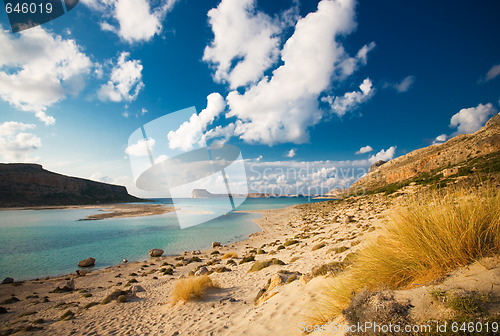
{"x":156,"y":252}
{"x":202,"y":271}
{"x":87,"y":262}
{"x":7,"y":280}
{"x":216,"y":244}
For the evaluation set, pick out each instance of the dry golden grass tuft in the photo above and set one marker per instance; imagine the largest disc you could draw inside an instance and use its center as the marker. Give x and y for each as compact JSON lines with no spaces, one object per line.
{"x":191,"y":288}
{"x":229,"y":255}
{"x":429,"y":235}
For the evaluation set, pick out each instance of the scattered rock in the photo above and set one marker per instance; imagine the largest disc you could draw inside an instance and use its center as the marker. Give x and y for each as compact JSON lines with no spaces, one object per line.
{"x":3,"y":310}
{"x":136,"y":289}
{"x":12,"y":299}
{"x":7,"y":280}
{"x":203,"y":270}
{"x":156,"y":252}
{"x":68,"y":315}
{"x":347,"y":220}
{"x":81,"y":272}
{"x":125,"y":261}
{"x":305,"y":278}
{"x":87,"y":262}
{"x":71,"y":284}
{"x":196,"y":252}
{"x":216,"y":244}
{"x":375,"y":166}
{"x":276,"y":280}
{"x":115,"y":295}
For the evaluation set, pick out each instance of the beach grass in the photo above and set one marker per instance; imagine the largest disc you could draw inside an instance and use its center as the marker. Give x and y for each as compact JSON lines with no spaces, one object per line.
{"x":429,"y":235}
{"x":193,"y":287}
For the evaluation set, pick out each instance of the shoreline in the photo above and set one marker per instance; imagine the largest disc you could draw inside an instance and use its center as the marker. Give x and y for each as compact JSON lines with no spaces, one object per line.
{"x":149,"y":312}
{"x":262,"y":225}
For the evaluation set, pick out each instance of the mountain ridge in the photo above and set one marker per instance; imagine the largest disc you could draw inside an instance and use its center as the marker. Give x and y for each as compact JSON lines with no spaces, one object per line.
{"x":435,"y":158}
{"x":29,"y":184}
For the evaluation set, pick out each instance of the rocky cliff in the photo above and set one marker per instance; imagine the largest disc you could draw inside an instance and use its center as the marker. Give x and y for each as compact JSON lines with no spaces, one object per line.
{"x":24,"y":185}
{"x":443,"y":159}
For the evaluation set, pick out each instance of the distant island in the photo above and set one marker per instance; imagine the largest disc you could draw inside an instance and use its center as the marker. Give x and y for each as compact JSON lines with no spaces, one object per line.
{"x":204,"y":193}
{"x":26,"y":185}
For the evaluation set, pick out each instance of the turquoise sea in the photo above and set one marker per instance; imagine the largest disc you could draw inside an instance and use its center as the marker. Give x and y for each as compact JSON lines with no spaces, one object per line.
{"x":40,"y":243}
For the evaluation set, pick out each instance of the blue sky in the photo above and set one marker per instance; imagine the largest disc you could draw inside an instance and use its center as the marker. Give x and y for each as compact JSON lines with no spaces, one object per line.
{"x":316,"y":85}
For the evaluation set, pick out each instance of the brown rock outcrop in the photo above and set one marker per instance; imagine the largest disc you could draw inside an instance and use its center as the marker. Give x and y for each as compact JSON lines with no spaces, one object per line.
{"x":30,"y":185}
{"x":442,"y":156}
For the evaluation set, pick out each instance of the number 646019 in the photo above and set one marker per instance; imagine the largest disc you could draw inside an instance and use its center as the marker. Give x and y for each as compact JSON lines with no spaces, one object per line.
{"x":31,"y":8}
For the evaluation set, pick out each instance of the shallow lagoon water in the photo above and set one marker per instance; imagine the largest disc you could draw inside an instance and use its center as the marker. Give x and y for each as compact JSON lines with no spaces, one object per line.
{"x":39,"y":243}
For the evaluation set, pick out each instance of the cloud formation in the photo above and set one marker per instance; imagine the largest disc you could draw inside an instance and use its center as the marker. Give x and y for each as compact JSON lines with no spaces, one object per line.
{"x":493,"y":73}
{"x":15,"y":144}
{"x":191,"y":132}
{"x":291,"y":153}
{"x":404,"y":85}
{"x":350,"y":100}
{"x":469,"y":120}
{"x":141,"y":148}
{"x":39,"y":69}
{"x":281,"y":108}
{"x":293,"y":177}
{"x":384,"y":155}
{"x":132,"y":20}
{"x":440,"y":139}
{"x":246,"y":42}
{"x":363,"y":150}
{"x":125,"y":81}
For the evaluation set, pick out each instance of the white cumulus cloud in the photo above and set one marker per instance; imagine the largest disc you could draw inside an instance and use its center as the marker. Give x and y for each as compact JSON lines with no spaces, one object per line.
{"x":39,"y":69}
{"x":363,"y":150}
{"x":245,"y":44}
{"x":281,"y":108}
{"x":440,"y":139}
{"x":191,"y":132}
{"x":384,"y":154}
{"x":132,"y":20}
{"x":350,"y":100}
{"x":291,"y":153}
{"x":15,"y":144}
{"x":125,"y":81}
{"x":142,"y":148}
{"x":469,"y":120}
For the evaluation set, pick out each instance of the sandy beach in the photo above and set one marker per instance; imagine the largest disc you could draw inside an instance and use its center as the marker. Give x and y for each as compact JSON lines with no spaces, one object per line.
{"x":302,"y":237}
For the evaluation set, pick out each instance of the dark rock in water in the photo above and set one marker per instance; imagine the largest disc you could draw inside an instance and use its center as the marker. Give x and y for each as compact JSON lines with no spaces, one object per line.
{"x":156,"y":252}
{"x":125,"y":261}
{"x":7,"y":280}
{"x":216,"y":244}
{"x":376,"y":165}
{"x":87,"y":262}
{"x":3,"y":310}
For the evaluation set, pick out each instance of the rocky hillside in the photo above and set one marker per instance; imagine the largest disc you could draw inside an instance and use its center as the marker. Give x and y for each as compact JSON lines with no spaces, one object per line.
{"x":24,"y":185}
{"x":460,"y":155}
